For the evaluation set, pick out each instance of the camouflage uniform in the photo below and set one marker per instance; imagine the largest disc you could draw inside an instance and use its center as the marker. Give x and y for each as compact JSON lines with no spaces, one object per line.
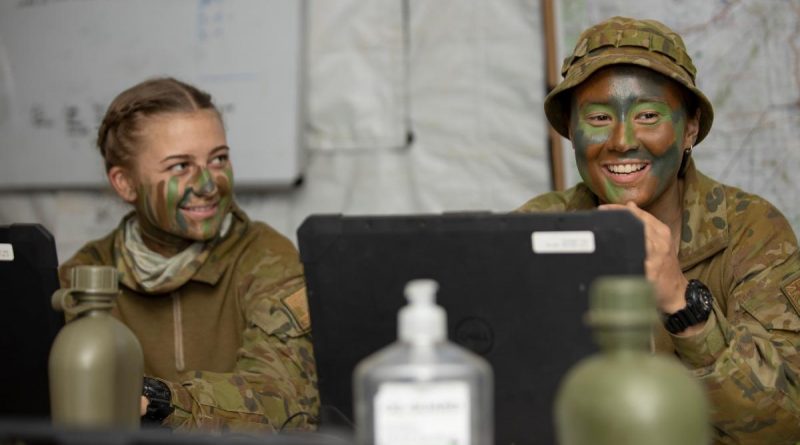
{"x":624,"y":41}
{"x":233,"y":341}
{"x":738,"y":244}
{"x":745,"y":251}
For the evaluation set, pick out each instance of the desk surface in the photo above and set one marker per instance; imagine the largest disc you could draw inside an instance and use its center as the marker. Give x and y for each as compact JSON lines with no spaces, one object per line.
{"x":41,"y":432}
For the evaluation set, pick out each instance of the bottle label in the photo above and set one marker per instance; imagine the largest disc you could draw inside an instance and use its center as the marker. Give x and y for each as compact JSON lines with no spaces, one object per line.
{"x":6,"y":252}
{"x":433,"y":413}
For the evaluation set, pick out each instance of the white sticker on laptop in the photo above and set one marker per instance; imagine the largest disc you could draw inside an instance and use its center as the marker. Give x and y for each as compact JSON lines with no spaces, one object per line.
{"x":577,"y":241}
{"x":6,"y":252}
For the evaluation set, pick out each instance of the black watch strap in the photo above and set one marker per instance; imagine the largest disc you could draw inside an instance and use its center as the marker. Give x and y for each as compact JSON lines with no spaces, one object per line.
{"x":698,"y":308}
{"x":160,"y":400}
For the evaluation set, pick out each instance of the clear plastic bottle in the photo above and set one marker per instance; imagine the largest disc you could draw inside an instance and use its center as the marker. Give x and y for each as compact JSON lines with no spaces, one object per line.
{"x":423,"y":389}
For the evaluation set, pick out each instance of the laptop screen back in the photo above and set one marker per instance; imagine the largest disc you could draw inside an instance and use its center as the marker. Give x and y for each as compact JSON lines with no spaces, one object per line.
{"x":28,"y":324}
{"x":515,"y":288}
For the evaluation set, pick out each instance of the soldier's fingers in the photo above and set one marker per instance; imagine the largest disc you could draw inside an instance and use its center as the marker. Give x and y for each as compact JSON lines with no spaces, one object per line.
{"x":642,"y":215}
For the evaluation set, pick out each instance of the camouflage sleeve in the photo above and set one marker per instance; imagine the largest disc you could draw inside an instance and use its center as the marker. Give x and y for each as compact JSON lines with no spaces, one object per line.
{"x":273,"y":386}
{"x":748,"y":357}
{"x":87,"y":256}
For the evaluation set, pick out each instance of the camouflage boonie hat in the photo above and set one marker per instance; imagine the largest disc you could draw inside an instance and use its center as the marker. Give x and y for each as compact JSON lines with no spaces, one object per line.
{"x":622,"y":40}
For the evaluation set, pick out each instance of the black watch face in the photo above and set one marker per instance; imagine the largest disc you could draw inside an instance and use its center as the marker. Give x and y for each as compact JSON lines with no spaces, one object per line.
{"x":698,"y":296}
{"x":699,"y":302}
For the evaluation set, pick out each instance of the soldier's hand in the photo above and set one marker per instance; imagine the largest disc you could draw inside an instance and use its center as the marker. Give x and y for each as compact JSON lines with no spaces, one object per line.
{"x":661,"y":261}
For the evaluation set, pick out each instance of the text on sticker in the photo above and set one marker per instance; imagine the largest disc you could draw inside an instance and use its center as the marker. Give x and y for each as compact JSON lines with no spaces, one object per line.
{"x":6,"y":252}
{"x":578,"y":241}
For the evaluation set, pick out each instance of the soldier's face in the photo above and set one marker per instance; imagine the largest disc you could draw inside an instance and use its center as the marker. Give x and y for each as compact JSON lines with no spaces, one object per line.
{"x":182,"y":175}
{"x":628,"y":129}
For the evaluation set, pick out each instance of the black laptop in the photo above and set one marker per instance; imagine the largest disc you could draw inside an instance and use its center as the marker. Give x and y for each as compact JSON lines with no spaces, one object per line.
{"x":28,"y":324}
{"x":515,"y":288}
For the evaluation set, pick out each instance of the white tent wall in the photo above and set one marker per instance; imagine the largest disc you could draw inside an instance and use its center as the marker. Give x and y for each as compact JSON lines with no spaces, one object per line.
{"x":465,"y":78}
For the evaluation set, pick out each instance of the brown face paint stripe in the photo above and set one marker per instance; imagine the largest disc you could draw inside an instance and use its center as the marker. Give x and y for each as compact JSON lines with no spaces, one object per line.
{"x":226,"y":182}
{"x":144,"y":197}
{"x":162,"y":215}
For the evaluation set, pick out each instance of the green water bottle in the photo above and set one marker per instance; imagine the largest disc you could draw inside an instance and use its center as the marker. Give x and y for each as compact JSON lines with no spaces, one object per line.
{"x":96,"y":364}
{"x":625,"y":394}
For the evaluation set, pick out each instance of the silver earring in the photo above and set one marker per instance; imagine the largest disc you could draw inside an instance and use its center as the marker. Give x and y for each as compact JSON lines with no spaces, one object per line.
{"x":687,"y":154}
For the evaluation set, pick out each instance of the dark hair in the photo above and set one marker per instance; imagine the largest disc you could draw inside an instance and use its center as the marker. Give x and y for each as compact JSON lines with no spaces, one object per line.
{"x":121,"y":127}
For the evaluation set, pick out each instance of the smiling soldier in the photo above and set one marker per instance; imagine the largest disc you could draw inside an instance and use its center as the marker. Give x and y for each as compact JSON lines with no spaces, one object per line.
{"x":724,"y":263}
{"x":216,"y":300}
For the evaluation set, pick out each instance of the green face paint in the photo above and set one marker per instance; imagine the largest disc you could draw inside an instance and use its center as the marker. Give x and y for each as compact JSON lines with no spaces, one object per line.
{"x":183,"y":179}
{"x":155,"y":206}
{"x":627,"y":128}
{"x":181,"y":208}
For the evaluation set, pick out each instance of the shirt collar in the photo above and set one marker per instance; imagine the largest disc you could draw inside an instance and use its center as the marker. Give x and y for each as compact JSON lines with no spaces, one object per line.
{"x":582,"y":198}
{"x":213,"y":267}
{"x":704,"y":230}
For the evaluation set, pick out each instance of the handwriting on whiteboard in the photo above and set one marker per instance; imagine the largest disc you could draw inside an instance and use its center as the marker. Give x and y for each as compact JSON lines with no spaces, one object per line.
{"x":81,"y":121}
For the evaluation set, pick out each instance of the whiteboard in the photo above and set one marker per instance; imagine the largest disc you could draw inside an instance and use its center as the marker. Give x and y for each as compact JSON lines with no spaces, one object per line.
{"x":63,"y":61}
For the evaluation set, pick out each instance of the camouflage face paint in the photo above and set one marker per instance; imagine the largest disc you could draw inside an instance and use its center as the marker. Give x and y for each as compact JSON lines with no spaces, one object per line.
{"x":627,"y":126}
{"x":184,"y":179}
{"x":165,"y":206}
{"x":203,"y":184}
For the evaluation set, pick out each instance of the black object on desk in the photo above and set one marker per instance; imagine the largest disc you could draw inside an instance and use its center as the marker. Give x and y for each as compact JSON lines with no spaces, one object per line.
{"x":515,"y":287}
{"x":28,"y":324}
{"x":43,"y":433}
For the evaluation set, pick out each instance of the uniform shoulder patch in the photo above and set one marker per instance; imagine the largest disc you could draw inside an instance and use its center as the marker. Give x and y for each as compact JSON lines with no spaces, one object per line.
{"x":297,"y":305}
{"x":791,"y":288}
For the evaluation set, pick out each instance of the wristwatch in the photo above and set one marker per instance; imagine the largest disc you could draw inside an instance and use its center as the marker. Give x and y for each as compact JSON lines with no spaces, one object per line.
{"x":159,"y":397}
{"x":697,"y":310}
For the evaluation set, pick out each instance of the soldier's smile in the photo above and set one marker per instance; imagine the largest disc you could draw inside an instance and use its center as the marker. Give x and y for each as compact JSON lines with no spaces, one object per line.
{"x":627,"y":129}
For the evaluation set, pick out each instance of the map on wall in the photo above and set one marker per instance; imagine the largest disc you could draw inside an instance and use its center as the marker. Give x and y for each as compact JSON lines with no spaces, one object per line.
{"x":747,"y":54}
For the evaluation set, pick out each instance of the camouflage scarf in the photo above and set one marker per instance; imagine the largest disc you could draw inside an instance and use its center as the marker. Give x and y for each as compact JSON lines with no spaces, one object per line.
{"x":150,"y":271}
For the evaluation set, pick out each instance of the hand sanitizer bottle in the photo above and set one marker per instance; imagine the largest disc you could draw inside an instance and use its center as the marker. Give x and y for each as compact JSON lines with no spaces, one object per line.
{"x":423,"y":389}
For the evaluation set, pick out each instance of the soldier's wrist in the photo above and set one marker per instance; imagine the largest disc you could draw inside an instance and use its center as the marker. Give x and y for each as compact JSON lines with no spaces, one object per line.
{"x":159,"y":400}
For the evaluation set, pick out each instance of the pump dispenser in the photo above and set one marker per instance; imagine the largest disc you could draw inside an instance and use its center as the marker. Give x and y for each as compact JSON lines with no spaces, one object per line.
{"x":96,"y":364}
{"x":422,"y":321}
{"x":423,"y":389}
{"x":627,"y":395}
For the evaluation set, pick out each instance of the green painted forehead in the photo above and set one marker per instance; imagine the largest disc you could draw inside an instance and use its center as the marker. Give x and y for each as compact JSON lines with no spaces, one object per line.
{"x":649,"y":79}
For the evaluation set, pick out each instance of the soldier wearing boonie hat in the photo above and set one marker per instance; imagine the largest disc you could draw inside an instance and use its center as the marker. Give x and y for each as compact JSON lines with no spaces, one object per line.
{"x":622,"y":40}
{"x":727,"y":276}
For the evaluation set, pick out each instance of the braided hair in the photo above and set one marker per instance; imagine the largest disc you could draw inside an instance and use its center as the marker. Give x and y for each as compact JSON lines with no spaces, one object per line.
{"x":119,"y":132}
